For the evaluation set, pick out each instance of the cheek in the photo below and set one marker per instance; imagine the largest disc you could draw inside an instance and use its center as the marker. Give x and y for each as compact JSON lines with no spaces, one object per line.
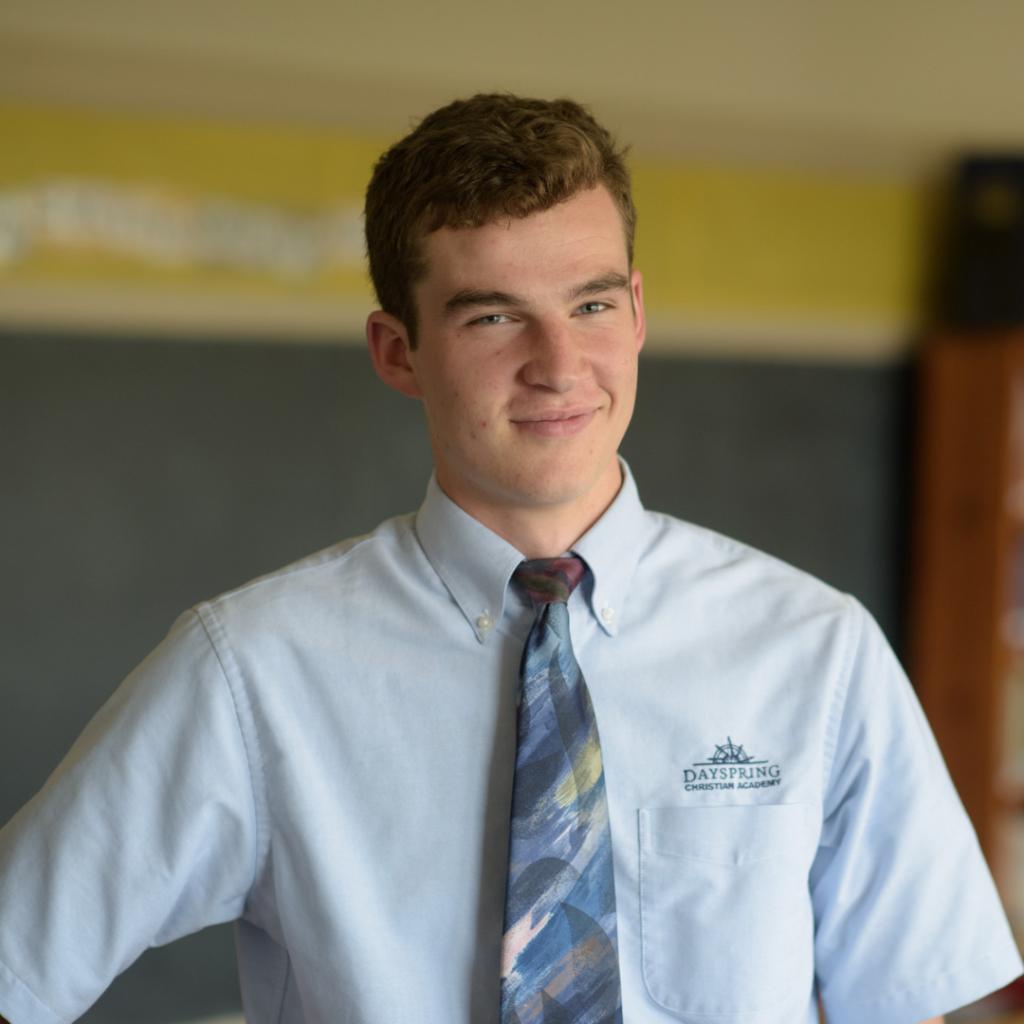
{"x":618,"y":375}
{"x":470,"y":396}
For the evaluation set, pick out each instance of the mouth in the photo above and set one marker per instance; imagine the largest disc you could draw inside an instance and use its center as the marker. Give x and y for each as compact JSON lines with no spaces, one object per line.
{"x":555,"y":423}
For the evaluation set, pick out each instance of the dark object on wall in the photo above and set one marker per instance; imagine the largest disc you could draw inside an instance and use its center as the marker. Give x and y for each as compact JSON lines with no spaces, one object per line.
{"x":983,"y":287}
{"x":967,"y":594}
{"x":141,"y":476}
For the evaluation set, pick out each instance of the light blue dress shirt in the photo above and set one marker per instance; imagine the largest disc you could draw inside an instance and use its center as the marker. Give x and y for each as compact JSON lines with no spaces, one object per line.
{"x":325,"y":755}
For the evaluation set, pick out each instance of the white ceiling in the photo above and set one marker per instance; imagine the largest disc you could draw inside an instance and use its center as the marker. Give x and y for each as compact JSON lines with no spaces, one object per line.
{"x":852,"y":83}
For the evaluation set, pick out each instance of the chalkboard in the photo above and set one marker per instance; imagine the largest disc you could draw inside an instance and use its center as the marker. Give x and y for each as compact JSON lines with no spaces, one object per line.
{"x":140,"y":476}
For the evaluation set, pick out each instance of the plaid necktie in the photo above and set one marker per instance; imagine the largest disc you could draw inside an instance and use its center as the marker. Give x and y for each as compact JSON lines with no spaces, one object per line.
{"x":559,"y":963}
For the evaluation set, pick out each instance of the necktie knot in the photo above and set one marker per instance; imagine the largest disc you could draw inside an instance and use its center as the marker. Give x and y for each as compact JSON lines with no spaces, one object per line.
{"x":549,"y":580}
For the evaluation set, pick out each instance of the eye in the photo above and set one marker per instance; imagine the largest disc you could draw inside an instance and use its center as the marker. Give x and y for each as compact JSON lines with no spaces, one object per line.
{"x":490,"y":318}
{"x":593,"y":307}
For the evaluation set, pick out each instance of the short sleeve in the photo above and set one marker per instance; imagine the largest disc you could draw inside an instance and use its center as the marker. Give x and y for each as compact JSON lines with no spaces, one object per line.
{"x":145,"y":832}
{"x":908,"y":923}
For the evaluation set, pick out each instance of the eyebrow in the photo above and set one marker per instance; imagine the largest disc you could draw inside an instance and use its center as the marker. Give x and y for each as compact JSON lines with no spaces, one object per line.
{"x":477,"y":297}
{"x":472,"y":297}
{"x":605,"y":283}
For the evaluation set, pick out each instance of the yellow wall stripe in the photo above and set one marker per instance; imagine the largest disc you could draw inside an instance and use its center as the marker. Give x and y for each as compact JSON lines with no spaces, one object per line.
{"x":718,"y":244}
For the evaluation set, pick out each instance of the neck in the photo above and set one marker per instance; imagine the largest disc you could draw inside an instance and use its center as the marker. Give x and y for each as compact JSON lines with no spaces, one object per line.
{"x":537,"y":536}
{"x":541,"y":531}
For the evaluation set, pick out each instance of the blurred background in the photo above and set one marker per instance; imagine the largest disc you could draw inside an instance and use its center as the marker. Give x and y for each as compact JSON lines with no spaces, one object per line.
{"x":832,"y":238}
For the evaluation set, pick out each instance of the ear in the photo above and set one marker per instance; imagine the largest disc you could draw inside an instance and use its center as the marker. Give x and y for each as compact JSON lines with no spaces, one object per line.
{"x":389,"y":349}
{"x":636,"y":285}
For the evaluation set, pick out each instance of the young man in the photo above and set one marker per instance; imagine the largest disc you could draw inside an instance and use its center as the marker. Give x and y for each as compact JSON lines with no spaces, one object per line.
{"x":385,"y":763}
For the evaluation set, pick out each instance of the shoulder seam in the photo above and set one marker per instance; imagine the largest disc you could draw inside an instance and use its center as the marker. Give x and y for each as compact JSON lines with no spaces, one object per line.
{"x":211,"y":625}
{"x":855,"y":630}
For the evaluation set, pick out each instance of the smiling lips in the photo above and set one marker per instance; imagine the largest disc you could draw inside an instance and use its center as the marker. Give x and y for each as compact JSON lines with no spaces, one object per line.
{"x":562,"y":423}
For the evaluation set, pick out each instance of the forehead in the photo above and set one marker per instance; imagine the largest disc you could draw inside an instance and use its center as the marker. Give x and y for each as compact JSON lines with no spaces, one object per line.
{"x":583,"y":234}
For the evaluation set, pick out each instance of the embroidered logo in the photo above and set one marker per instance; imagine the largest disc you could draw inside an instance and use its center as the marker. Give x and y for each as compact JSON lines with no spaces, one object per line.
{"x":731,"y":767}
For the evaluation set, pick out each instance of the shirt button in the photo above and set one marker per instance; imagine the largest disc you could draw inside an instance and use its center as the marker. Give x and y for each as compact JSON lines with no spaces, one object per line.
{"x":484,"y":622}
{"x":608,"y":615}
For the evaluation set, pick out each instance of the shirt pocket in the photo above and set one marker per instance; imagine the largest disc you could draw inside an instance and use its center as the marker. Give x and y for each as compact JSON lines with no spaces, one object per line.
{"x":727,"y":928}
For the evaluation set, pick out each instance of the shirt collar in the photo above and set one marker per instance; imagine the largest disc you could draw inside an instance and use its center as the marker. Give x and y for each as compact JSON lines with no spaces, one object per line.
{"x":611,"y":548}
{"x":475,"y":564}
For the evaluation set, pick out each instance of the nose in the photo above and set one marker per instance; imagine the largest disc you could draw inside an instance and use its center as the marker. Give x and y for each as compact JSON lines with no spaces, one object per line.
{"x":556,"y":359}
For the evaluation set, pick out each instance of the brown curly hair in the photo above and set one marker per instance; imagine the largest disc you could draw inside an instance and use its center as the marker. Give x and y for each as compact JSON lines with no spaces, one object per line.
{"x":472,"y":161}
